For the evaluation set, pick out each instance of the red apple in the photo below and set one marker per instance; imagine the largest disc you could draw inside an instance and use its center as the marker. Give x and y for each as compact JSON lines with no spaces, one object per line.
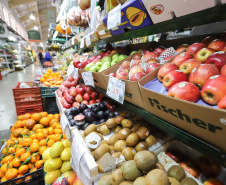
{"x":126,"y":64}
{"x":222,"y":103}
{"x":149,"y":56}
{"x":101,"y":96}
{"x":75,"y":63}
{"x":94,"y":95}
{"x":203,"y":54}
{"x":190,"y":168}
{"x":123,"y":76}
{"x":207,"y":40}
{"x":84,"y":63}
{"x":188,"y":65}
{"x":194,"y":48}
{"x":217,"y":45}
{"x":67,"y":105}
{"x":79,"y":65}
{"x":137,"y":76}
{"x":72,"y":91}
{"x":86,"y":96}
{"x":185,"y":91}
{"x":78,"y":98}
{"x":223,"y":70}
{"x":214,"y":89}
{"x":99,"y":100}
{"x":152,"y":60}
{"x":174,"y":77}
{"x":70,"y":79}
{"x":81,"y":90}
{"x":67,"y":84}
{"x":76,"y":104}
{"x":74,"y":83}
{"x":137,"y":56}
{"x":182,"y":48}
{"x":112,"y":74}
{"x":85,"y":102}
{"x":174,"y":155}
{"x":136,"y":70}
{"x":152,"y":67}
{"x":209,"y":167}
{"x":88,"y":89}
{"x":218,"y":59}
{"x":92,"y":102}
{"x":146,"y":51}
{"x":167,"y":58}
{"x":179,"y":59}
{"x":159,"y":50}
{"x":200,"y":74}
{"x":123,"y":69}
{"x":212,"y":182}
{"x":165,"y":69}
{"x":135,"y":63}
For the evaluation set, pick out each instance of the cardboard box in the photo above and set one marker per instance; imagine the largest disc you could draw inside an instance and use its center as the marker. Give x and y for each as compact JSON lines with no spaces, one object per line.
{"x":161,"y":10}
{"x":134,"y":16}
{"x":103,"y":32}
{"x":206,"y":123}
{"x":81,"y":34}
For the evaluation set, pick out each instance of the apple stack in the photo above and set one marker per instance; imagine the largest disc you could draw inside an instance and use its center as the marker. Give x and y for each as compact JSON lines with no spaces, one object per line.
{"x":72,"y":94}
{"x":199,"y":71}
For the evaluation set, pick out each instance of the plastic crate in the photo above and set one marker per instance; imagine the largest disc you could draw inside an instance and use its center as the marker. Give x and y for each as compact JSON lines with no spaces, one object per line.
{"x":50,"y":105}
{"x":48,"y":91}
{"x":28,"y":101}
{"x":37,"y":178}
{"x":26,"y":92}
{"x":29,"y":109}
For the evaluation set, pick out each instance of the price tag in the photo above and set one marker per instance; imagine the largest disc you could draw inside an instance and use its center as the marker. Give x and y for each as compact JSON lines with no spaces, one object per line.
{"x":88,"y":78}
{"x":114,"y":17}
{"x":70,"y":70}
{"x":88,"y":42}
{"x":75,"y":73}
{"x":116,"y":89}
{"x":82,"y":43}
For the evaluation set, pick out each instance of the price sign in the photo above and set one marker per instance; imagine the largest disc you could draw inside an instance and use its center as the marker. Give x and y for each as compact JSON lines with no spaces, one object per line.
{"x":116,"y":89}
{"x":114,"y":17}
{"x":82,"y":43}
{"x":70,"y":70}
{"x":88,"y":42}
{"x":88,"y":78}
{"x":75,"y":73}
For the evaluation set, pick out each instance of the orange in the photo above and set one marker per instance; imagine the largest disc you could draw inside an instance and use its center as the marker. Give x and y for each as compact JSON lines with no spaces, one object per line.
{"x":30,"y":165}
{"x":36,"y":116}
{"x":42,"y":149}
{"x":23,"y":123}
{"x":11,"y":150}
{"x":23,"y":169}
{"x":18,"y":124}
{"x":40,"y":136}
{"x":42,"y":142}
{"x":30,"y":123}
{"x":49,"y":70}
{"x":5,"y":167}
{"x":16,"y":162}
{"x":35,"y":141}
{"x":11,"y":173}
{"x":4,"y":151}
{"x":54,"y":125}
{"x":50,"y":142}
{"x":39,"y":163}
{"x":3,"y":179}
{"x":33,"y":170}
{"x":52,"y":137}
{"x":39,"y":130}
{"x":21,"y":117}
{"x":27,"y":116}
{"x":57,"y":137}
{"x":19,"y":152}
{"x":33,"y":136}
{"x":50,"y":130}
{"x":12,"y":128}
{"x":25,"y":131}
{"x":27,"y":141}
{"x":44,"y":114}
{"x":35,"y":158}
{"x":42,"y":79}
{"x":25,"y":155}
{"x":1,"y":174}
{"x":50,"y":116}
{"x":7,"y":159}
{"x":54,"y":120}
{"x":10,"y":141}
{"x":19,"y":175}
{"x":58,"y":126}
{"x":34,"y":147}
{"x":57,"y":131}
{"x":44,"y":121}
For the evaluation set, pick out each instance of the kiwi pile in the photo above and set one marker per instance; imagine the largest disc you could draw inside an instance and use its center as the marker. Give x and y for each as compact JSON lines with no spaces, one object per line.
{"x":146,"y":170}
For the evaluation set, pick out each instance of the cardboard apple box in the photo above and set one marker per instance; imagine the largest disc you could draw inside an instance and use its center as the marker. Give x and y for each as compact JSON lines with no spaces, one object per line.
{"x":206,"y":123}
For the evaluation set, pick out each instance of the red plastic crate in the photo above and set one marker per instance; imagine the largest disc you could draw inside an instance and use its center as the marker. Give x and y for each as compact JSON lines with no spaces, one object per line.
{"x":29,"y":109}
{"x":26,"y":92}
{"x":28,"y":101}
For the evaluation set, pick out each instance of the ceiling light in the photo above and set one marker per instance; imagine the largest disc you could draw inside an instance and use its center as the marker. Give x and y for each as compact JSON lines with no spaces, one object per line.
{"x":32,"y":17}
{"x":35,"y":28}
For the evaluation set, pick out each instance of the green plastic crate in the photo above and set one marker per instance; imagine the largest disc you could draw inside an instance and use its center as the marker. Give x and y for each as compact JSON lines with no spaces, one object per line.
{"x":48,"y":91}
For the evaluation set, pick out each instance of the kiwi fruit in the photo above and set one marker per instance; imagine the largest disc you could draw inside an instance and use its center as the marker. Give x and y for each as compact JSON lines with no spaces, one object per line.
{"x":124,"y":133}
{"x":119,"y":145}
{"x":126,"y":183}
{"x":176,"y":172}
{"x":143,"y":133}
{"x":141,"y":146}
{"x":157,"y":177}
{"x":104,"y":142}
{"x":105,"y":180}
{"x":101,"y":136}
{"x":105,"y":130}
{"x":188,"y":181}
{"x":129,"y":153}
{"x":160,"y":167}
{"x":130,"y":171}
{"x":112,"y":140}
{"x":119,"y":119}
{"x":116,"y":154}
{"x":89,"y":129}
{"x":110,"y":123}
{"x":132,"y":139}
{"x":173,"y":181}
{"x":117,"y":129}
{"x":139,"y":181}
{"x":135,"y":127}
{"x":116,"y":177}
{"x":100,"y":151}
{"x":100,"y":170}
{"x":126,"y":123}
{"x":151,"y":140}
{"x":145,"y":160}
{"x":112,"y":149}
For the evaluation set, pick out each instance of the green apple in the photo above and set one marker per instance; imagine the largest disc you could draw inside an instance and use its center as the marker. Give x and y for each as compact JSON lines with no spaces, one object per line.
{"x":106,"y":64}
{"x":103,"y":68}
{"x":113,"y":62}
{"x":88,"y":66}
{"x":121,"y":57}
{"x":115,"y":56}
{"x":94,"y":69}
{"x":99,"y":64}
{"x":98,"y":68}
{"x":133,"y":52}
{"x":106,"y":59}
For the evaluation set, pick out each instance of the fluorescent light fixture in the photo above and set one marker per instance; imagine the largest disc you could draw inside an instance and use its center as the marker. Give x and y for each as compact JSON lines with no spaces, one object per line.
{"x":35,"y":28}
{"x":32,"y":17}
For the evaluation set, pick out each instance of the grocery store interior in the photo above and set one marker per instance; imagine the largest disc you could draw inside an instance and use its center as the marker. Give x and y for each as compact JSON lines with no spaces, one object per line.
{"x":112,"y":92}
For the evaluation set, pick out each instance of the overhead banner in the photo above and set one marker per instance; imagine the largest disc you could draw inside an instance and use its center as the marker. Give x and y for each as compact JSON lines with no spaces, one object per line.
{"x":34,"y":36}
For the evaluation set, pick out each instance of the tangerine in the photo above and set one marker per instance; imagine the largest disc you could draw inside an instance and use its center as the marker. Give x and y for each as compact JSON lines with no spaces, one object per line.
{"x":3,"y":179}
{"x":5,"y":167}
{"x":44,"y":121}
{"x":33,"y":136}
{"x":1,"y":174}
{"x":18,"y":124}
{"x":19,"y":152}
{"x":35,"y":158}
{"x":12,"y":150}
{"x":42,"y":149}
{"x":36,"y":116}
{"x":27,"y":141}
{"x":27,"y":116}
{"x":39,"y":163}
{"x":7,"y":159}
{"x":44,"y":114}
{"x":30,"y":123}
{"x":11,"y":173}
{"x":35,"y":141}
{"x":19,"y":175}
{"x":57,"y":131}
{"x":30,"y":165}
{"x":25,"y":155}
{"x":16,"y":162}
{"x":23,"y":169}
{"x":42,"y":142}
{"x":40,"y":136}
{"x":50,"y":142}
{"x":34,"y":147}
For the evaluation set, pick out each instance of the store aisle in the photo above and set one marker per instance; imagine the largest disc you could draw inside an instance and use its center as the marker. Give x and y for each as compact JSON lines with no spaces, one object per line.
{"x":7,"y":106}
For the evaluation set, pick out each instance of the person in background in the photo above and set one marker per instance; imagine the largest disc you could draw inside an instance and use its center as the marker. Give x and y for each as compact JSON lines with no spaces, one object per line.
{"x":48,"y":56}
{"x":40,"y":56}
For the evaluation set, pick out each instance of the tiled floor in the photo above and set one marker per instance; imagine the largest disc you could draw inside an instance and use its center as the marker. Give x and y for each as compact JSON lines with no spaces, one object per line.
{"x":7,"y":106}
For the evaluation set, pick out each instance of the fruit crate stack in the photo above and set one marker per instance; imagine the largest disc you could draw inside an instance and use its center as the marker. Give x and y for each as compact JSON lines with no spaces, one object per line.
{"x":27,"y":100}
{"x":50,"y":105}
{"x":48,"y":91}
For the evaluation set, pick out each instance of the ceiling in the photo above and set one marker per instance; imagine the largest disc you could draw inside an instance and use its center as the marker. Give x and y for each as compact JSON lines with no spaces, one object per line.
{"x":23,"y":8}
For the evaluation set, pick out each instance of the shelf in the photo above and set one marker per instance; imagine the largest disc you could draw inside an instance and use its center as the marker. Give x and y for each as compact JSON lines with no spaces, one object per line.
{"x":181,"y":135}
